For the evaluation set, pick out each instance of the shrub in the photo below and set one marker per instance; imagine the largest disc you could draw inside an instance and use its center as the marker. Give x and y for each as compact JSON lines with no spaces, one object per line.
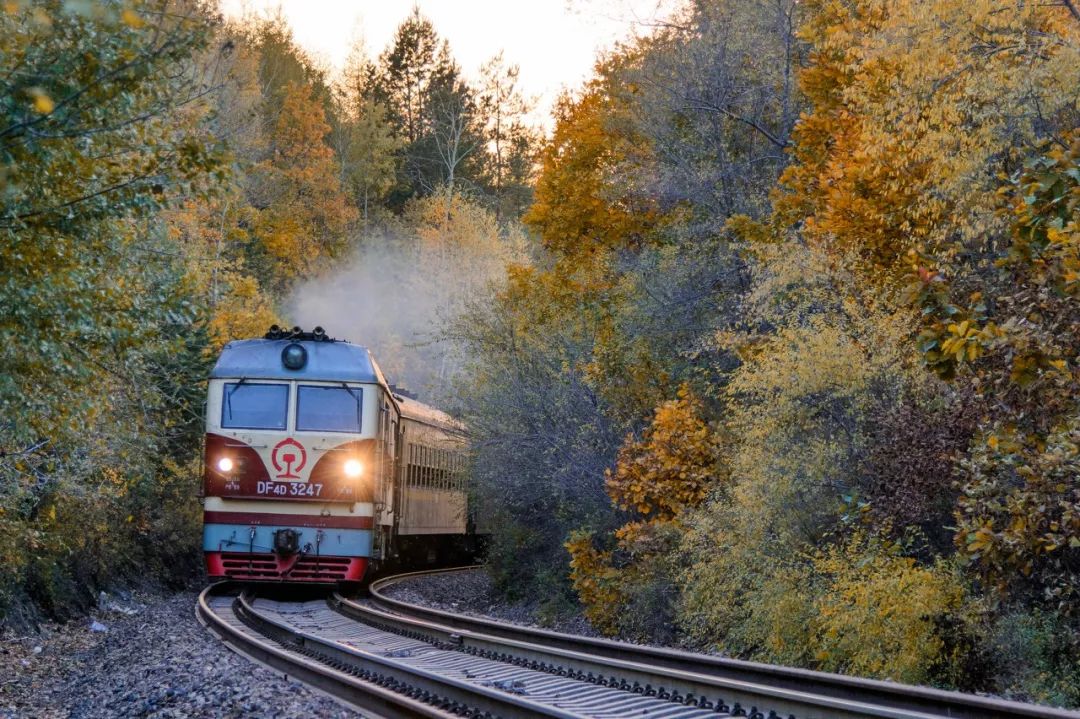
{"x":743,"y":591}
{"x":1036,"y":653}
{"x":881,"y":614}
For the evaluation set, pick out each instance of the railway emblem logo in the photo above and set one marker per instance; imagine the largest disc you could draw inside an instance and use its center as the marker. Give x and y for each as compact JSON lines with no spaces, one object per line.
{"x":288,"y":458}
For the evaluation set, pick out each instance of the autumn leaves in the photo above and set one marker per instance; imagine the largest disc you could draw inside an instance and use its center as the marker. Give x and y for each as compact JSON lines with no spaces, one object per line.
{"x":868,"y":391}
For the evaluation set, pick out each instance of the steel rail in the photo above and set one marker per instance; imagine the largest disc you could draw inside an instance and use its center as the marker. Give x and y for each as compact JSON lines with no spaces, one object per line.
{"x":377,"y":685}
{"x":371,"y":698}
{"x":803,"y":693}
{"x":728,"y":697}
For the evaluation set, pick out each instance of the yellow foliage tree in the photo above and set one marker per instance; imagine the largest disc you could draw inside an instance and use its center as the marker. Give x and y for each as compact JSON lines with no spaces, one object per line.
{"x":577,"y":209}
{"x":627,"y":591}
{"x":209,"y":232}
{"x":675,"y":465}
{"x":303,"y":213}
{"x":596,"y":581}
{"x":917,"y":107}
{"x":672,"y":468}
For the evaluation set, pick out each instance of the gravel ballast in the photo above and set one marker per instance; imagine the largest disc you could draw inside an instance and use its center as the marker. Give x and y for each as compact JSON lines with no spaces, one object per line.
{"x":146,"y":657}
{"x":471,"y":592}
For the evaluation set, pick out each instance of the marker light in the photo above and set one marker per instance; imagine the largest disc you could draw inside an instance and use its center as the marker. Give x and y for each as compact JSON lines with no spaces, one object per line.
{"x":353,"y":468}
{"x":225,"y":464}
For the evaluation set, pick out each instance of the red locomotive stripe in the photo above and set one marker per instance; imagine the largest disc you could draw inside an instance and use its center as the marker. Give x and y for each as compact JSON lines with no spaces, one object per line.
{"x":292,"y":520}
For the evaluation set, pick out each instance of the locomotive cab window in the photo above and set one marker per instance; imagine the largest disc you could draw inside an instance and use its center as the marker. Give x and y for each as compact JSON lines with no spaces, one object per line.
{"x":328,"y":409}
{"x":254,"y":406}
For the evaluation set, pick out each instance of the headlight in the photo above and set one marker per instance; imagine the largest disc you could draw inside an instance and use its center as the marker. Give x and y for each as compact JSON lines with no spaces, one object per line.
{"x":294,"y":356}
{"x":353,"y":468}
{"x":225,"y":464}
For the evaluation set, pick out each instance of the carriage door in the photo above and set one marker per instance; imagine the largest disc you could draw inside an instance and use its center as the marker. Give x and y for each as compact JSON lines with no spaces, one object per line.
{"x":388,"y":475}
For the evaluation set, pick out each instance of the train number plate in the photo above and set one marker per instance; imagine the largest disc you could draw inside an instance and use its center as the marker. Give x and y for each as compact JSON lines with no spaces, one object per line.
{"x":288,"y":489}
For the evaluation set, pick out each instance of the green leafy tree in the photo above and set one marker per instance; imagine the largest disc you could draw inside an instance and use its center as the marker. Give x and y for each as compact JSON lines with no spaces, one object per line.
{"x":1014,"y":339}
{"x":432,"y":109}
{"x":511,"y":143}
{"x":98,"y":133}
{"x":364,"y":139}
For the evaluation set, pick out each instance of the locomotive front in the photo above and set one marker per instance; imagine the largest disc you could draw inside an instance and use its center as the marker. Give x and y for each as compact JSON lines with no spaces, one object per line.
{"x":292,"y":459}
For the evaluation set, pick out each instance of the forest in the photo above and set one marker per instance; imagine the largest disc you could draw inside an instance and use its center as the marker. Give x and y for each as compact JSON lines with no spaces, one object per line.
{"x":769,"y":347}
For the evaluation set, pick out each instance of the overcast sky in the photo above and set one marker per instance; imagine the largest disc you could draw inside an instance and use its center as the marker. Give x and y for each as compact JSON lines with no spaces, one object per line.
{"x":555,"y":42}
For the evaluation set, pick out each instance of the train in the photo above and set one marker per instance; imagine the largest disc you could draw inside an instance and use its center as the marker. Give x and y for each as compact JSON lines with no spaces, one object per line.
{"x":318,"y":471}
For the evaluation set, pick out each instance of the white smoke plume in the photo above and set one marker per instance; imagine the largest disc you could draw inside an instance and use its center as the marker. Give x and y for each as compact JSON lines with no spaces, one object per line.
{"x":402,"y":284}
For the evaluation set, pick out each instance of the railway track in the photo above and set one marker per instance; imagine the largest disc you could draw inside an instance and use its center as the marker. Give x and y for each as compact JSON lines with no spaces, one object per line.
{"x":394,"y":659}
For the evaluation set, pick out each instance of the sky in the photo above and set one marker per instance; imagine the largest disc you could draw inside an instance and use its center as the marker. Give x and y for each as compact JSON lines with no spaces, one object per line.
{"x":555,"y":42}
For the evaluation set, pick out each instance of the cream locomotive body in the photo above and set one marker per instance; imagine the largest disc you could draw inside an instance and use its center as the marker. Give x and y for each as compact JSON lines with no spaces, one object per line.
{"x":315,"y":467}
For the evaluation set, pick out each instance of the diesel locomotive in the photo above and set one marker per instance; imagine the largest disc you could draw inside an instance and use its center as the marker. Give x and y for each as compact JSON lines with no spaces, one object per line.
{"x":316,"y":468}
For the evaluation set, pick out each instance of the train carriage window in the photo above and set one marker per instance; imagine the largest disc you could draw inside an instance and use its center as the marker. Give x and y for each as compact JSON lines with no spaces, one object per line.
{"x":424,"y":460}
{"x":427,"y":467}
{"x":414,"y":466}
{"x":414,"y":459}
{"x":328,"y":409}
{"x":254,"y":406}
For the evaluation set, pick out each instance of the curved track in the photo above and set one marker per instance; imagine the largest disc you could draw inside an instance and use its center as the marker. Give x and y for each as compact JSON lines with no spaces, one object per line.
{"x":394,"y":659}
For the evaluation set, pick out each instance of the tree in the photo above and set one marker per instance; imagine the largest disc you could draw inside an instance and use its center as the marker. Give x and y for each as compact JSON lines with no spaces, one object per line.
{"x":432,"y":108}
{"x":283,"y":64}
{"x":364,"y":138}
{"x":414,"y":64}
{"x":452,"y":133}
{"x":715,"y":91}
{"x":511,"y":144}
{"x":673,"y":468}
{"x":99,"y":132}
{"x":213,"y":228}
{"x":1018,"y":517}
{"x":906,"y":139}
{"x":576,"y":211}
{"x":302,"y":213}
{"x":369,"y":156}
{"x":89,"y":150}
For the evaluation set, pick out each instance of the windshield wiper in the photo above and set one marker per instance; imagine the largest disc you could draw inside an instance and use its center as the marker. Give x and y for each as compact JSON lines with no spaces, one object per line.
{"x":355,"y":395}
{"x":229,"y":394}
